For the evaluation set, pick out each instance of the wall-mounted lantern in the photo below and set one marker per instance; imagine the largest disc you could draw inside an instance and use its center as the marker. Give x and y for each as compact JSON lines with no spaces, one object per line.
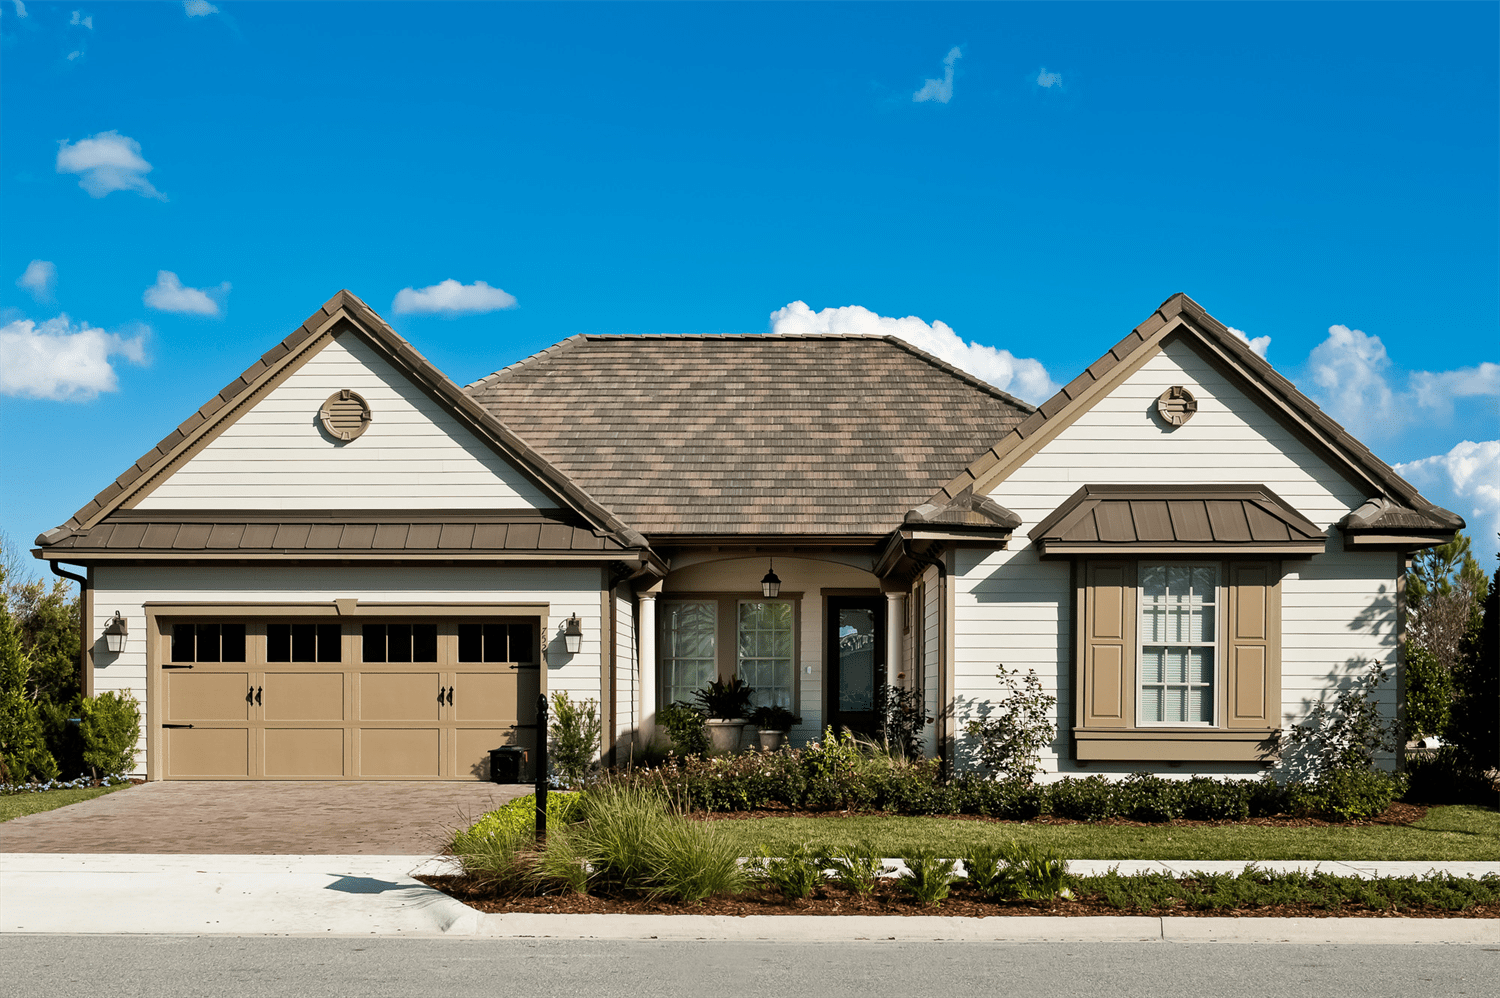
{"x":573,"y":634}
{"x":770,"y":586}
{"x":115,"y":631}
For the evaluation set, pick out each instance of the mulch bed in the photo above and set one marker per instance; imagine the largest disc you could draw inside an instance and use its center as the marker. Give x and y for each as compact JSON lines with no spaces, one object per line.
{"x":887,"y":899}
{"x":1396,"y":814}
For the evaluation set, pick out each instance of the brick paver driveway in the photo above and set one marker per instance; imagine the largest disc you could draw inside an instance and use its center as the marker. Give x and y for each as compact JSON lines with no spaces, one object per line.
{"x":267,"y":818}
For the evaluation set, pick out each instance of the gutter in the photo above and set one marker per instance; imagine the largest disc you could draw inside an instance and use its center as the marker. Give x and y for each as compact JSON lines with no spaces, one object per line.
{"x":85,"y":608}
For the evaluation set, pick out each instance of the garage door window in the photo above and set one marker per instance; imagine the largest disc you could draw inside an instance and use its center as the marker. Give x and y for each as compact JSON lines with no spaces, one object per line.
{"x":303,"y":643}
{"x":400,"y":642}
{"x":496,"y":643}
{"x":208,"y":643}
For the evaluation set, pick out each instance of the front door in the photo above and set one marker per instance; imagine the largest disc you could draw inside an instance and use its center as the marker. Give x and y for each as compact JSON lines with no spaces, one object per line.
{"x":855,"y":653}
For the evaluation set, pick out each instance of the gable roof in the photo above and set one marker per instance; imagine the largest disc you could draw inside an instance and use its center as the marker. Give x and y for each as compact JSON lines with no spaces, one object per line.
{"x":821,"y":435}
{"x":1179,"y":315}
{"x":343,"y":313}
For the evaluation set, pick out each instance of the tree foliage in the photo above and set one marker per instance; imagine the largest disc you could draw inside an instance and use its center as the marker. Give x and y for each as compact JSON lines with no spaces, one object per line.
{"x":23,"y":748}
{"x":1444,"y":591}
{"x":1474,"y":726}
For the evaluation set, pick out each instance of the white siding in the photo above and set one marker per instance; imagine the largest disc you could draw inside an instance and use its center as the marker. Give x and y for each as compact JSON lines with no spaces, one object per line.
{"x":1338,"y":608}
{"x":565,"y":590}
{"x":627,"y":675}
{"x":414,"y":455}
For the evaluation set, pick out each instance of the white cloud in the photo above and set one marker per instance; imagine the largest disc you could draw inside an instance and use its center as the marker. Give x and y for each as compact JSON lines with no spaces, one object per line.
{"x":61,"y":361}
{"x":940,"y":90}
{"x":169,"y":294}
{"x":1466,"y":480}
{"x":452,"y":298}
{"x":78,"y":54}
{"x":199,"y":8}
{"x":1020,"y":376}
{"x":82,"y":21}
{"x":20,"y":8}
{"x":1352,"y":379}
{"x":38,"y":278}
{"x":1047,"y":80}
{"x":107,"y":162}
{"x":1259,"y":344}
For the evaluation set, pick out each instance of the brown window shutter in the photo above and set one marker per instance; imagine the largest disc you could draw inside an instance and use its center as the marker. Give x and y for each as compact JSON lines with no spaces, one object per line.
{"x":1252,"y":643}
{"x":1108,"y":652}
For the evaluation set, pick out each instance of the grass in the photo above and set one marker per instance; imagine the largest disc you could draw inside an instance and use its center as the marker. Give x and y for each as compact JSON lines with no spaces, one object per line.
{"x":17,"y":805}
{"x":1447,"y":834}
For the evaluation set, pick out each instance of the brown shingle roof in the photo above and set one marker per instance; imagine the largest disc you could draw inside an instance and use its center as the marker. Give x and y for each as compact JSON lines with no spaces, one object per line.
{"x":750,"y":434}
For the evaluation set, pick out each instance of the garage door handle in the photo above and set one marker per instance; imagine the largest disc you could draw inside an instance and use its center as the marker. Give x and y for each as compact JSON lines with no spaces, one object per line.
{"x":258,"y":690}
{"x":177,"y":725}
{"x":450,"y":696}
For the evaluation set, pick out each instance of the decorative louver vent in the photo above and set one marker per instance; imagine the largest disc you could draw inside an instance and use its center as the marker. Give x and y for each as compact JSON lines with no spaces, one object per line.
{"x":345,"y":415}
{"x":1176,"y":405}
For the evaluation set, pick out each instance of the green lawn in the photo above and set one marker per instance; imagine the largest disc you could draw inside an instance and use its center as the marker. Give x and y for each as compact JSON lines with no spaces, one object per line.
{"x":1452,"y":834}
{"x":16,"y":805}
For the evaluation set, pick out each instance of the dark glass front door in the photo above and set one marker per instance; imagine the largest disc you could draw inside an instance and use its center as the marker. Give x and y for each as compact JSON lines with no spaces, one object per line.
{"x":855,"y":653}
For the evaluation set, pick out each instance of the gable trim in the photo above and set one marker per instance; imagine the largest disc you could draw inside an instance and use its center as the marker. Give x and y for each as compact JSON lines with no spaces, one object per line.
{"x":342,"y":313}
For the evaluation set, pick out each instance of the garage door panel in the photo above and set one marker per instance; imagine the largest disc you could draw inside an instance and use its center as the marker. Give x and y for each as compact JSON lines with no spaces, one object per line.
{"x":474,"y":746}
{"x":207,"y":696}
{"x":205,"y":753}
{"x":399,"y":696}
{"x":304,"y":696}
{"x":398,"y":752}
{"x":304,"y":752}
{"x":485,"y":696}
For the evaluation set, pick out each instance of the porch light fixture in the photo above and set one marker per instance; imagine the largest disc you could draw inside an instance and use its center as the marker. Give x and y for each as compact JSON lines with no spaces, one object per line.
{"x":115,"y":631}
{"x":770,"y":586}
{"x":573,"y":634}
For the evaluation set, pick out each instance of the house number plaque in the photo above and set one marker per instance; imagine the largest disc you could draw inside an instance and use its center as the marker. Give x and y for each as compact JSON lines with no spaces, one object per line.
{"x":1176,"y":405}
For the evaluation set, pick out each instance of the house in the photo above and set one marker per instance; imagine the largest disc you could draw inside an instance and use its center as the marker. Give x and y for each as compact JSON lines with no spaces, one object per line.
{"x":345,"y":566}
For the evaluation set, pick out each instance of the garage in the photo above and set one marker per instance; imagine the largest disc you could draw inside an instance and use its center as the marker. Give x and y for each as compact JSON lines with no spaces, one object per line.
{"x":330,"y":699}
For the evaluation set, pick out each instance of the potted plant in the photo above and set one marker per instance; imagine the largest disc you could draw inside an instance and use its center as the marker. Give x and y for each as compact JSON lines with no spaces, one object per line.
{"x":726,"y":704}
{"x":774,"y":723}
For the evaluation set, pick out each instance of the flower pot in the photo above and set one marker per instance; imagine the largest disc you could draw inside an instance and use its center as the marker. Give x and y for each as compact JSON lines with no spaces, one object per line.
{"x":771,"y":740}
{"x":724,"y":735}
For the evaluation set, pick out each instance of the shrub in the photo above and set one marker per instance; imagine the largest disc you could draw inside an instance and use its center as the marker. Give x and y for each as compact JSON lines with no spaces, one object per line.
{"x":1347,"y":733}
{"x":1268,"y":797}
{"x":684,"y":726}
{"x":1474,"y":726}
{"x":1346,"y":794}
{"x":1205,"y":799}
{"x":23,"y":746}
{"x":903,"y":715}
{"x":1445,"y":778}
{"x":1429,"y":692}
{"x":834,"y":771}
{"x":1011,"y":739}
{"x":794,"y":876}
{"x":927,"y":877}
{"x":857,"y":868}
{"x":1033,"y":873}
{"x":110,"y":725}
{"x":774,"y":718}
{"x":519,"y":817}
{"x":574,"y":738}
{"x":1092,"y":798}
{"x":1144,"y":797}
{"x":986,"y":871}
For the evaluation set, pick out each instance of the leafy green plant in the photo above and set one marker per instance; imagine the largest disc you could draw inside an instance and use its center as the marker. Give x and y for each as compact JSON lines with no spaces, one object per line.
{"x":1429,"y":692}
{"x":1146,"y":797}
{"x":574,"y":738}
{"x":774,"y":718}
{"x":24,"y":755}
{"x":1205,"y":799}
{"x":1093,"y":798}
{"x":794,"y":875}
{"x":989,"y":874}
{"x":1347,"y":794}
{"x":519,"y":816}
{"x":1037,"y":874}
{"x":725,"y":700}
{"x":903,"y":715}
{"x":109,"y":725}
{"x":1347,"y":733}
{"x":857,"y":868}
{"x":1011,"y":738}
{"x":927,"y":877}
{"x":1474,"y":725}
{"x":684,"y":727}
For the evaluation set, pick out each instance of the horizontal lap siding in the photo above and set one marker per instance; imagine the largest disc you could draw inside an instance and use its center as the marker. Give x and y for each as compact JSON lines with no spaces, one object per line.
{"x":627,"y":677}
{"x":565,"y":590}
{"x":1338,"y":608}
{"x":413,"y":455}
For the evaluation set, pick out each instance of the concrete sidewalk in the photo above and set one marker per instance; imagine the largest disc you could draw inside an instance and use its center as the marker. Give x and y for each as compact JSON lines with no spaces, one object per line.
{"x":356,"y":895}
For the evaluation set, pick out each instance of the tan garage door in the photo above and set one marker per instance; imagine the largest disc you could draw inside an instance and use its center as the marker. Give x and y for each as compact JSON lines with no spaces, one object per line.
{"x":331,"y":700}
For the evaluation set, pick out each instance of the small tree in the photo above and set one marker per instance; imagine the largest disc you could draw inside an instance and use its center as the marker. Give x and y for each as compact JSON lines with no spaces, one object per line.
{"x":1346,"y":734}
{"x":109,"y":725}
{"x":1474,"y":726}
{"x":23,"y":748}
{"x":902,"y":716}
{"x":575,"y":737}
{"x":1011,"y":739}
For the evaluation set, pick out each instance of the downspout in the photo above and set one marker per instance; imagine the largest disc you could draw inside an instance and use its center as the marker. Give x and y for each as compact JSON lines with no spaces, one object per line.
{"x":944,"y":712}
{"x":85,"y":608}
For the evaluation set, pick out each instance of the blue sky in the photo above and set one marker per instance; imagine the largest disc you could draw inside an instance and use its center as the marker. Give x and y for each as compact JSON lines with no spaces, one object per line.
{"x":182,"y":184}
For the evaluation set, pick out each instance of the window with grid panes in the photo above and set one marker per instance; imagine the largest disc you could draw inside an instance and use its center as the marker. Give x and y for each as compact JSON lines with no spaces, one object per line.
{"x":764,"y":651}
{"x":1178,"y":634}
{"x":689,"y":648}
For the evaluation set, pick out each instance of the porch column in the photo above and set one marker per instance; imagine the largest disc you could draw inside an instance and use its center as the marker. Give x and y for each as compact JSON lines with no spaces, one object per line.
{"x":895,"y":628}
{"x":647,"y":635}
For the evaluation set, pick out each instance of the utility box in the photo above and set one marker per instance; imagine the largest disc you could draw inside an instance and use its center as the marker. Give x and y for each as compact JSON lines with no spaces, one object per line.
{"x":508,"y":764}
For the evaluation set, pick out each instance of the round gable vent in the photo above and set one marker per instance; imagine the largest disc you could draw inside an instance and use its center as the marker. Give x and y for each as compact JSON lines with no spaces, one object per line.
{"x":345,"y":415}
{"x":1176,"y":405}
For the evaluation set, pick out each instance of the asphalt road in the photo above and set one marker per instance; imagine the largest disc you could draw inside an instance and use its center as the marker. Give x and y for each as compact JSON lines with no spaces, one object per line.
{"x":247,"y":967}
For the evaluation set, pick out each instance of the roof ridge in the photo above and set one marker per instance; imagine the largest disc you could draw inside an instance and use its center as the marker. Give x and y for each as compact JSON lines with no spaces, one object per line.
{"x":959,"y":373}
{"x":561,"y":346}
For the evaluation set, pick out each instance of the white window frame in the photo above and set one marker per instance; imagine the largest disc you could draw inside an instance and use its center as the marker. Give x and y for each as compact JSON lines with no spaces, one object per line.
{"x":666,"y":660}
{"x":1216,"y":683}
{"x":792,"y":658}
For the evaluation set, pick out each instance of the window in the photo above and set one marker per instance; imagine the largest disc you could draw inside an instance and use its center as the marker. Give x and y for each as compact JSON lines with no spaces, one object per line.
{"x":497,"y":643}
{"x":400,"y":642}
{"x":208,"y":642}
{"x":303,"y":643}
{"x":689,"y":654}
{"x":764,"y":643}
{"x":1178,"y":631}
{"x":713,"y":638}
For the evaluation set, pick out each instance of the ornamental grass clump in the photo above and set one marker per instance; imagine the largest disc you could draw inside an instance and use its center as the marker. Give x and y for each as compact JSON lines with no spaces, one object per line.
{"x":928,"y":878}
{"x":856,"y":868}
{"x":794,"y":876}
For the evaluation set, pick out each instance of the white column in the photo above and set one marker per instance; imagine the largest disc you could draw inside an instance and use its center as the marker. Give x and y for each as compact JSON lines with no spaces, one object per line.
{"x":895,"y":628}
{"x":647,"y":638}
